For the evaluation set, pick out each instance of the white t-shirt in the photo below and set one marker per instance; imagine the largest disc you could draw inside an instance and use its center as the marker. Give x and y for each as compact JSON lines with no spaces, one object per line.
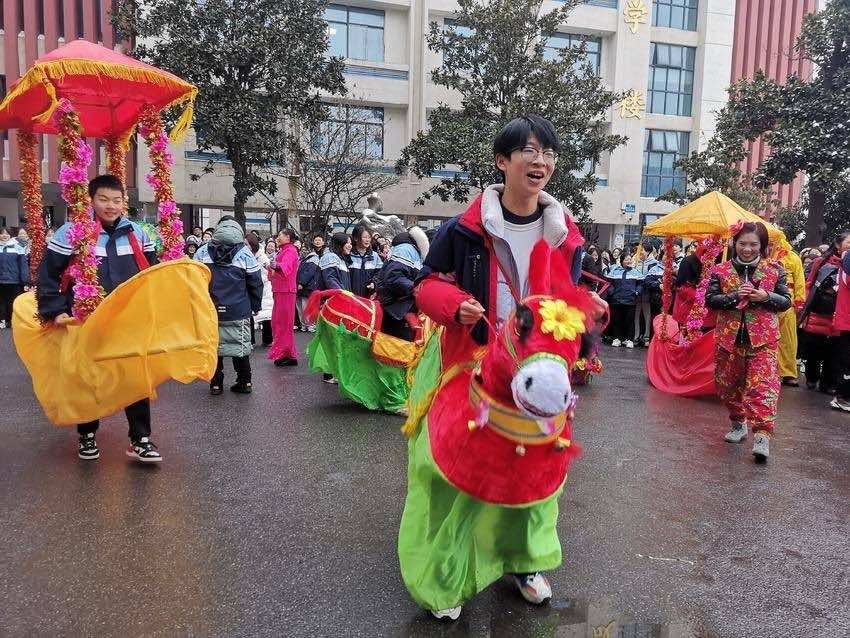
{"x":521,"y":237}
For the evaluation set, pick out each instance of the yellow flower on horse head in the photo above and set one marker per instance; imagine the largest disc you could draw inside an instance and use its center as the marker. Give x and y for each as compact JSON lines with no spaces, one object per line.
{"x":560,"y":320}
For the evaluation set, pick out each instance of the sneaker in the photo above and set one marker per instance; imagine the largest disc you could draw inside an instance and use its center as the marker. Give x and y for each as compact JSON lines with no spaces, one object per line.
{"x":534,"y":587}
{"x":737,"y":434}
{"x":450,"y":614}
{"x":144,"y":451}
{"x":88,"y":447}
{"x":2,"y":325}
{"x":216,"y":389}
{"x":286,"y":361}
{"x":329,"y":378}
{"x":840,"y":404}
{"x":616,"y":343}
{"x":311,"y":328}
{"x":630,"y":344}
{"x":761,"y":446}
{"x":242,"y":387}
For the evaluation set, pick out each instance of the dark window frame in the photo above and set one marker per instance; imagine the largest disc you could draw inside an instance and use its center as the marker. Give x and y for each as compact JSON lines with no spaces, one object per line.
{"x":671,"y":83}
{"x":675,"y":14}
{"x":661,"y":151}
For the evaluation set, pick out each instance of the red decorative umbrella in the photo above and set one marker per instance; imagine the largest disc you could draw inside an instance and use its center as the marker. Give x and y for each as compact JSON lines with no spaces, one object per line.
{"x":109,"y":91}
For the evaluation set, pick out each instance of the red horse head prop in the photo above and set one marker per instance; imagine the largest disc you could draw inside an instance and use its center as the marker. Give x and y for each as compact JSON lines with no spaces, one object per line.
{"x":528,"y":365}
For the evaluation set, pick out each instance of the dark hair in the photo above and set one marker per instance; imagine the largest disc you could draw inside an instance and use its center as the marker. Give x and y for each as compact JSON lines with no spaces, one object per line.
{"x":4,"y":229}
{"x":253,"y":242}
{"x":109,"y":182}
{"x":316,"y":236}
{"x":338,"y":240}
{"x":623,"y":256}
{"x":610,"y":255}
{"x":211,"y":231}
{"x":190,"y":247}
{"x":289,"y":233}
{"x":358,"y":231}
{"x":761,"y":232}
{"x":517,"y":132}
{"x":836,"y":245}
{"x":194,"y":228}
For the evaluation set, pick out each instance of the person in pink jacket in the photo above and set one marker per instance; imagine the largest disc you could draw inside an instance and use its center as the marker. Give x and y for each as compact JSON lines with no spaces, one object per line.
{"x":283,"y":273}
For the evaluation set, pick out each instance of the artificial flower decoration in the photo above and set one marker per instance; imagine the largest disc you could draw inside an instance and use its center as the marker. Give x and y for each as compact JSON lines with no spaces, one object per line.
{"x":32,"y":199}
{"x":560,"y":320}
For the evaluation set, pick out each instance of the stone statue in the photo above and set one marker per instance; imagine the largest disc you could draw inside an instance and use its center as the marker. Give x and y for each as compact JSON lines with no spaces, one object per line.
{"x":385,"y":225}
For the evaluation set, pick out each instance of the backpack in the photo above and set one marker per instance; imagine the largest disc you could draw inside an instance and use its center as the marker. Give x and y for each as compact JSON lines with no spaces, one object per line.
{"x":823,"y":295}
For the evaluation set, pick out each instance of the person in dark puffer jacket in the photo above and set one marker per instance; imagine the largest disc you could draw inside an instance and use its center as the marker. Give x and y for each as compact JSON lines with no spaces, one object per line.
{"x":236,"y":289}
{"x":14,"y":274}
{"x":395,"y":282}
{"x":626,"y":287}
{"x":124,"y":250}
{"x":365,"y":263}
{"x":309,"y":278}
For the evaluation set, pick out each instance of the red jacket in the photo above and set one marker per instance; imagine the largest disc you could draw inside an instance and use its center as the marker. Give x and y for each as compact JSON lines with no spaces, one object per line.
{"x":460,"y":266}
{"x":821,"y":324}
{"x":841,"y":319}
{"x":284,"y":273}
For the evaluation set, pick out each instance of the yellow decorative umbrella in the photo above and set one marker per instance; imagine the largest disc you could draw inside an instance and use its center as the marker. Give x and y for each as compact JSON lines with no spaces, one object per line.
{"x":710,"y":215}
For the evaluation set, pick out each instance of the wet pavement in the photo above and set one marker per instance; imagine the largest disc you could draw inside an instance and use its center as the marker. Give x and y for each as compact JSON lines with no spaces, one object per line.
{"x":276,"y":514}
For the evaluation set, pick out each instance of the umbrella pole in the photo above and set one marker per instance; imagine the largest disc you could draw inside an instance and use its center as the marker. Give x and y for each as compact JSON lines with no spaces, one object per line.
{"x":32,"y":199}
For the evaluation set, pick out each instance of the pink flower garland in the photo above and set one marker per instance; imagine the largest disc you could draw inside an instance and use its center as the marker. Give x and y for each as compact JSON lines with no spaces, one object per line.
{"x":666,"y":287}
{"x":76,"y":156}
{"x":711,"y":248}
{"x":159,"y":179}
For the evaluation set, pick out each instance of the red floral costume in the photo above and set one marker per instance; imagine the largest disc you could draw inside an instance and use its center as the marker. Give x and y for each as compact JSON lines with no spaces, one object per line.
{"x":747,"y":337}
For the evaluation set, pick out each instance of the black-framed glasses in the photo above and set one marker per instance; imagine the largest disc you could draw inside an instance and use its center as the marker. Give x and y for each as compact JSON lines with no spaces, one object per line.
{"x":530,"y":153}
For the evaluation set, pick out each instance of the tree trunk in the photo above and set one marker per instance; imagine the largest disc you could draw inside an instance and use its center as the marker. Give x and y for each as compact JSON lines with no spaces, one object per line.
{"x":814,"y":224}
{"x":239,"y":197}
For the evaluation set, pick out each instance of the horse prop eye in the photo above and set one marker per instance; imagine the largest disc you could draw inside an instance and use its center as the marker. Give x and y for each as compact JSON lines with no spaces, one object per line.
{"x":524,"y":322}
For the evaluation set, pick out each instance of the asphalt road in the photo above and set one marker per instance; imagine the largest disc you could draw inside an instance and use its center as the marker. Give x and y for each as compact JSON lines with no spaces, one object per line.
{"x":276,"y":514}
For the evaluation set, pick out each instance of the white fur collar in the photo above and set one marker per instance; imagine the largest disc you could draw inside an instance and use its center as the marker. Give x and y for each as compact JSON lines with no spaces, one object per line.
{"x":554,"y":224}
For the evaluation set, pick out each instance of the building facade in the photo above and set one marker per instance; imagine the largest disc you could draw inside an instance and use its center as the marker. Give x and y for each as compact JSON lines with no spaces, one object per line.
{"x":675,"y":55}
{"x":675,"y":58}
{"x":765,"y":33}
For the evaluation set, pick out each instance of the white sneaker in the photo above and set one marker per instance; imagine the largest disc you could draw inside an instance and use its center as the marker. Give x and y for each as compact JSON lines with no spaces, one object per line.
{"x":451,"y":614}
{"x":737,"y":434}
{"x":2,"y":325}
{"x":616,"y":343}
{"x":534,"y":587}
{"x":840,"y":404}
{"x":630,"y":344}
{"x":761,"y":446}
{"x":311,"y":328}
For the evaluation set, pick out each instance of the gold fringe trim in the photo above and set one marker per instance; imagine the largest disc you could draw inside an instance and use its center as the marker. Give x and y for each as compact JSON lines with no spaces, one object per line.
{"x":43,"y":73}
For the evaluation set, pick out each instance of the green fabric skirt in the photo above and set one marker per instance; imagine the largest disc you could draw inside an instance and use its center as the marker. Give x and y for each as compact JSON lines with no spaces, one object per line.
{"x":348,"y":356}
{"x":451,"y":545}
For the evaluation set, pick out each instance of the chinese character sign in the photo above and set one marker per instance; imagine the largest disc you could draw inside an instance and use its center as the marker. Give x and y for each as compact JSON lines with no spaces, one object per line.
{"x":633,"y":104}
{"x":635,"y":13}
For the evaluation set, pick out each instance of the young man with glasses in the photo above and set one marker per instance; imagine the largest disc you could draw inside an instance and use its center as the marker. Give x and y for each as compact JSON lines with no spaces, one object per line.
{"x":476,"y":266}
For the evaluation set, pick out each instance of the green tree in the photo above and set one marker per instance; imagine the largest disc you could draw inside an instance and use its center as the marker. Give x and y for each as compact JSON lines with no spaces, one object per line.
{"x":717,"y":167}
{"x":805,"y":121}
{"x":258,"y":65}
{"x":495,"y":56}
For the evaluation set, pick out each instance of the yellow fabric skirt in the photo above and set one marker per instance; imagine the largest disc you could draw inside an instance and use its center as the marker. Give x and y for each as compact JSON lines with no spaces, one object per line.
{"x":159,"y":325}
{"x":788,"y":344}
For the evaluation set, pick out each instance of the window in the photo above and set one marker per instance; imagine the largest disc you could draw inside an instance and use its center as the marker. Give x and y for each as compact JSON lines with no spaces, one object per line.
{"x":662,"y":149}
{"x":675,"y":14}
{"x":559,"y":41}
{"x":79,"y":12}
{"x":39,"y":9}
{"x":98,"y":21}
{"x":461,"y":30}
{"x":671,"y":79}
{"x":358,"y":128}
{"x":355,"y":33}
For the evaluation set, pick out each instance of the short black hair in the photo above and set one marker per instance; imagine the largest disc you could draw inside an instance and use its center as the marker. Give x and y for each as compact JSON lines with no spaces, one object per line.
{"x":338,"y":240}
{"x":293,"y":236}
{"x":253,"y":242}
{"x":624,"y":255}
{"x":109,"y":182}
{"x":517,"y":132}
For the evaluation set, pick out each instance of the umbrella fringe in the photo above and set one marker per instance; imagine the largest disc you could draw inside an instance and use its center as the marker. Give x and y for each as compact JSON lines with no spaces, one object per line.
{"x":57,"y":69}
